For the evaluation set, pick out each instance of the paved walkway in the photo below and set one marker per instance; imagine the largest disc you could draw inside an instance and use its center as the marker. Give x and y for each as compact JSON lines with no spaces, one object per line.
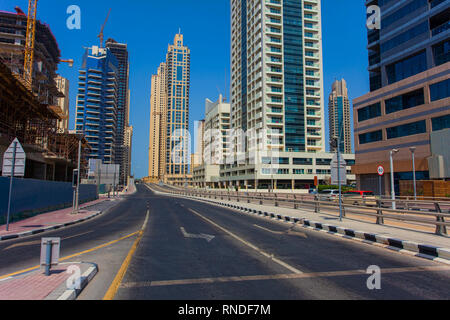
{"x":36,"y":286}
{"x":392,"y":231}
{"x":50,"y":219}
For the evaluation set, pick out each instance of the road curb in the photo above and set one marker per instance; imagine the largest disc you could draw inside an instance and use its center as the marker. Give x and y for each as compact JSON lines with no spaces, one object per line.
{"x":55,"y":227}
{"x":417,"y":249}
{"x":85,"y":278}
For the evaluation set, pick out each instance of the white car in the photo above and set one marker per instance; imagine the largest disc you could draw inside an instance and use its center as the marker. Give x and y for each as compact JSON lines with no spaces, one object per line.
{"x":329,"y":195}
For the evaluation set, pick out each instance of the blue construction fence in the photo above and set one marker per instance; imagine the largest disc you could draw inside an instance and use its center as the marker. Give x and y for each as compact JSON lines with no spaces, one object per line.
{"x":32,"y":197}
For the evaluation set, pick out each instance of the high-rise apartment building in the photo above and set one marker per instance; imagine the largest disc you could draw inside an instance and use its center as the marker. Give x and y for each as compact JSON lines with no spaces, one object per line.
{"x":158,"y":126}
{"x":97,"y":103}
{"x":120,"y":51}
{"x":63,"y":86}
{"x":169,"y":154}
{"x":409,"y":72}
{"x":215,"y":145}
{"x":178,"y":72}
{"x":339,"y":116}
{"x":277,"y":74}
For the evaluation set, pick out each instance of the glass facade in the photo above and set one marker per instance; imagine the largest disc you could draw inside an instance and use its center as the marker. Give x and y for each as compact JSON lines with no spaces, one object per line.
{"x":371,"y":137}
{"x":440,"y":90}
{"x":406,"y":130}
{"x":407,"y":67}
{"x":293,"y":72}
{"x":369,"y":112}
{"x":405,"y":101}
{"x":441,"y":123}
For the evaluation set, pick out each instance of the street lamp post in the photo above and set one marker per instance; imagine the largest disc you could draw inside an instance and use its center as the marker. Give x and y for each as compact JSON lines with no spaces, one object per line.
{"x":413,"y":150}
{"x":392,"y":152}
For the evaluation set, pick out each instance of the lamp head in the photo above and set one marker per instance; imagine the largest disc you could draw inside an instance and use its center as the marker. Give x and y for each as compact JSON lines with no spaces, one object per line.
{"x":413,"y":149}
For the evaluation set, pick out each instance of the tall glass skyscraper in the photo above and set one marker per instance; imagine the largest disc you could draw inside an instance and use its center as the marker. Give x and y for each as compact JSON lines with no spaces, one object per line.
{"x":277,"y":74}
{"x":97,"y":104}
{"x":120,"y":51}
{"x":339,"y":116}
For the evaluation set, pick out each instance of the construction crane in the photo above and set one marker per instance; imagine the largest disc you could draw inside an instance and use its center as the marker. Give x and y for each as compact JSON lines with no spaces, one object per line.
{"x":100,"y":36}
{"x":29,"y":44}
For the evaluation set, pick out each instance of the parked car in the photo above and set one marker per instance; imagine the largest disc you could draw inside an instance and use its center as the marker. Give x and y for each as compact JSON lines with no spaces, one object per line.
{"x":329,"y":195}
{"x":313,"y":191}
{"x":360,"y":198}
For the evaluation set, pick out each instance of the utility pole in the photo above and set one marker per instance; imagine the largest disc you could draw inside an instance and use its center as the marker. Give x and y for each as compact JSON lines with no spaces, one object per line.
{"x":77,"y":199}
{"x":413,"y":150}
{"x":392,"y":152}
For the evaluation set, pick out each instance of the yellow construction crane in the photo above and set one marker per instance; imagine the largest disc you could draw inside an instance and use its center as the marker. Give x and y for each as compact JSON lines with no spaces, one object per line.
{"x":29,"y":44}
{"x":100,"y":36}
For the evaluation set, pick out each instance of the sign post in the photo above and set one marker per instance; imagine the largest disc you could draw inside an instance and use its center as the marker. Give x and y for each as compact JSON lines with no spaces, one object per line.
{"x":380,"y":171}
{"x":50,"y":248}
{"x":13,"y":166}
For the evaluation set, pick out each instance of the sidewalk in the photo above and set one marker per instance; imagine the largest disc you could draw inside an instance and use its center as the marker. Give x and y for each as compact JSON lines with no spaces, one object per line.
{"x":35,"y":285}
{"x":425,"y":244}
{"x":49,"y":220}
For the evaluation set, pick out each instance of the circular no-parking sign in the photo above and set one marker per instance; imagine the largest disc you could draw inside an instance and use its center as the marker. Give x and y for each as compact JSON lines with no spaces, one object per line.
{"x":380,"y":171}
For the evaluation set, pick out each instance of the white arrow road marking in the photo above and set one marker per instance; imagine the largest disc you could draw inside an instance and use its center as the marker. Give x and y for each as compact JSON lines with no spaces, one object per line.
{"x":290,"y":231}
{"x":207,"y":237}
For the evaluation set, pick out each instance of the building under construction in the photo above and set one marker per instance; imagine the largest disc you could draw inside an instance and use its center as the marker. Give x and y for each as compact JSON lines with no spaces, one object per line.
{"x":13,"y":27}
{"x":51,"y":154}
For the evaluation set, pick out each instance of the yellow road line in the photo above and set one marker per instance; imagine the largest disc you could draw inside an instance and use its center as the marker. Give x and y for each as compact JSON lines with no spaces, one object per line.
{"x":112,"y":291}
{"x":270,"y":256}
{"x":73,"y":255}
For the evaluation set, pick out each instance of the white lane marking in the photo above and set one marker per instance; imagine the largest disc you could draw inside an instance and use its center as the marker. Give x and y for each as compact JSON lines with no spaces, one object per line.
{"x":207,"y":237}
{"x":290,"y":231}
{"x":267,"y":255}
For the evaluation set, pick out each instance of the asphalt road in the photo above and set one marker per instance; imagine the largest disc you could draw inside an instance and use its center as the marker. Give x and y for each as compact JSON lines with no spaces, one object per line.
{"x":255,"y":258}
{"x":124,"y":218}
{"x":191,"y":250}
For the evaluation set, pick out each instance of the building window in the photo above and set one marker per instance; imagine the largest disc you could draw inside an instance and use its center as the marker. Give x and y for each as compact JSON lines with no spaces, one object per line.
{"x":405,"y":101}
{"x":303,"y":161}
{"x":369,"y":112}
{"x":371,"y":137}
{"x":440,"y":90}
{"x":407,"y":67}
{"x":407,"y":130}
{"x":323,"y":162}
{"x":441,"y":53}
{"x":441,"y":123}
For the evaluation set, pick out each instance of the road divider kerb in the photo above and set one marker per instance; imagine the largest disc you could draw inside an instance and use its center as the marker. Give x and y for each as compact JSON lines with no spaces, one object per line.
{"x":85,"y":278}
{"x":415,"y":249}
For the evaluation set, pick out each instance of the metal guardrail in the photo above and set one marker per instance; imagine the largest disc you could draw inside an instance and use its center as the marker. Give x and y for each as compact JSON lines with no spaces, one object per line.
{"x":425,"y":212}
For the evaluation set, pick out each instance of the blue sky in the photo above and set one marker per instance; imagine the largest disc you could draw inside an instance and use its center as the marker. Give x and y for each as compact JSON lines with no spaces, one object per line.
{"x":148,"y":26}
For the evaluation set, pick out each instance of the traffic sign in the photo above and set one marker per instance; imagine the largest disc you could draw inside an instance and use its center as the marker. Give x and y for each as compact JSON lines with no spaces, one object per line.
{"x":380,"y":171}
{"x":14,"y":159}
{"x":342,"y":167}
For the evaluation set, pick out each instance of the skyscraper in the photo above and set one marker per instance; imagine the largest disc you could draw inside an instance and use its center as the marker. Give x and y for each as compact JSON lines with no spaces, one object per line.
{"x":120,"y":51}
{"x":409,"y":99}
{"x":277,"y":76}
{"x":339,"y":115}
{"x":169,"y":154}
{"x":158,"y":127}
{"x":178,"y":84}
{"x":97,"y":104}
{"x":277,"y":100}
